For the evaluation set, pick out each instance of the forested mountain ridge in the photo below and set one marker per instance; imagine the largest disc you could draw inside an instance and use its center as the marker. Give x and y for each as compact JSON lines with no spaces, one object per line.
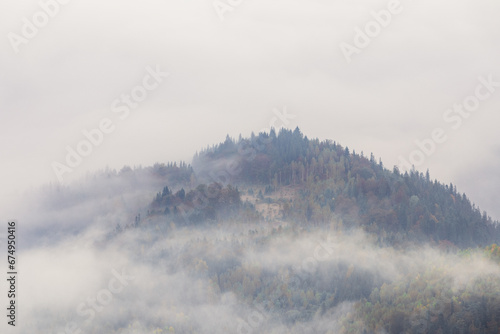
{"x":331,"y":182}
{"x":305,"y":236}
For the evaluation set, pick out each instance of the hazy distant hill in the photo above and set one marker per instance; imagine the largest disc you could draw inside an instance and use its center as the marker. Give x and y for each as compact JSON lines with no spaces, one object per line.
{"x":312,"y":183}
{"x":276,"y":233}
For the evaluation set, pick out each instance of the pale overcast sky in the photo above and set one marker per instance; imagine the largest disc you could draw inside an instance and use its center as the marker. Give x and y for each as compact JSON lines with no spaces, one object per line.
{"x":229,"y":77}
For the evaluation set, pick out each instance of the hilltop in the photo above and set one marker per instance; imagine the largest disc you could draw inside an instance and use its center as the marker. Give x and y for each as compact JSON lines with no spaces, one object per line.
{"x":286,"y":176}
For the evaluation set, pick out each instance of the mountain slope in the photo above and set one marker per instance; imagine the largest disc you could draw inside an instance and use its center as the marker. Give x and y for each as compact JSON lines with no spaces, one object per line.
{"x":331,"y":182}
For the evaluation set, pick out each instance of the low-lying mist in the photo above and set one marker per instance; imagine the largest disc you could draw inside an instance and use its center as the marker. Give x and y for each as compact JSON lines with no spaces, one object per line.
{"x":79,"y":274}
